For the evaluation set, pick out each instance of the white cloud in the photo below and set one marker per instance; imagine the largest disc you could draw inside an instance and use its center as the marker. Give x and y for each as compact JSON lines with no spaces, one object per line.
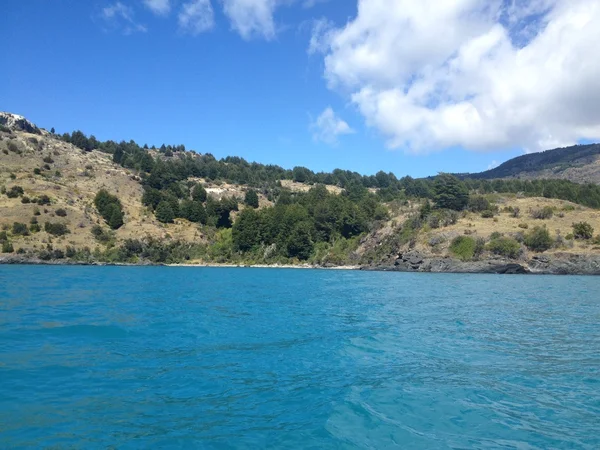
{"x":196,"y":16}
{"x":158,"y":7}
{"x":251,"y":18}
{"x":120,"y":16}
{"x":472,"y":73}
{"x":328,"y":126}
{"x":493,"y":165}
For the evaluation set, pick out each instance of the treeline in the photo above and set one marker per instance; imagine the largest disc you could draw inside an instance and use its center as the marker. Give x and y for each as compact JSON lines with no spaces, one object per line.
{"x":175,"y":164}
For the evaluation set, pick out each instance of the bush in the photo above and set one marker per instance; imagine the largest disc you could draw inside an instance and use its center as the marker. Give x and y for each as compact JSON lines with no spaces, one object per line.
{"x":56,"y":229}
{"x":36,"y":211}
{"x":514,"y":212}
{"x":463,"y":247}
{"x":61,"y":212}
{"x":34,"y":228}
{"x":164,"y":213}
{"x":12,"y":176}
{"x":545,"y":213}
{"x":487,"y":214}
{"x":199,"y":193}
{"x":43,"y":200}
{"x":7,"y":247}
{"x":109,"y":208}
{"x":538,"y":240}
{"x":14,"y":192}
{"x":3,"y":236}
{"x":479,"y":203}
{"x":505,"y":246}
{"x":25,"y":199}
{"x":251,"y":198}
{"x":48,"y":160}
{"x":523,"y":225}
{"x":20,"y":229}
{"x":582,"y":230}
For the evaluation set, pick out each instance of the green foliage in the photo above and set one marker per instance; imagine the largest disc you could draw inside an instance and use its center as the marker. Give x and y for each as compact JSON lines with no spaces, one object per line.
{"x":505,"y":246}
{"x":164,"y":212}
{"x":545,"y":213}
{"x":463,"y":247}
{"x":56,"y":229}
{"x":20,"y":229}
{"x":14,"y":192}
{"x":25,"y":200}
{"x":251,"y":198}
{"x":479,"y":203}
{"x":61,"y":212}
{"x":43,"y":200}
{"x":300,"y":243}
{"x":487,"y":214}
{"x":246,"y":231}
{"x":7,"y":247}
{"x":199,"y":193}
{"x":101,"y":235}
{"x":582,"y":230}
{"x":193,"y":211}
{"x":109,"y":208}
{"x":450,"y":192}
{"x":539,"y":240}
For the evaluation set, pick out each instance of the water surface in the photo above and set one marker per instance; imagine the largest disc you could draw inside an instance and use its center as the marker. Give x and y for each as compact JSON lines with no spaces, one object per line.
{"x":163,"y":357}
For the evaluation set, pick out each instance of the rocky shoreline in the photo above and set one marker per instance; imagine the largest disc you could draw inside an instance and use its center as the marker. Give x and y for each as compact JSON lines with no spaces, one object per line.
{"x":557,"y":264}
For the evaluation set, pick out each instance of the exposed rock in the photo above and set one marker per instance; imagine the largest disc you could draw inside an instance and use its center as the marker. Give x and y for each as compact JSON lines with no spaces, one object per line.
{"x":15,"y":122}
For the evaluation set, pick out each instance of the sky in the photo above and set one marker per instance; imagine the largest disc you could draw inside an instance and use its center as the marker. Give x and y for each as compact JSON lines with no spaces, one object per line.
{"x":413,"y":87}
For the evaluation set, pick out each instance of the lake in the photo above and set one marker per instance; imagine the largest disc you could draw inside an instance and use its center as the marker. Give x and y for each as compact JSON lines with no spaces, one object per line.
{"x":174,"y":357}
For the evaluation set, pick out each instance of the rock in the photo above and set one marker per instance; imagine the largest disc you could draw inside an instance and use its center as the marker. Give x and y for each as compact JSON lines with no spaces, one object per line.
{"x":15,"y":122}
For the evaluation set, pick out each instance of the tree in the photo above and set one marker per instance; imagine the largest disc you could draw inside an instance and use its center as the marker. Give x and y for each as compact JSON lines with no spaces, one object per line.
{"x":251,"y":198}
{"x":52,"y":130}
{"x":539,"y":240}
{"x":246,"y":230}
{"x":193,"y":211}
{"x":582,"y":230}
{"x":164,"y":212}
{"x":199,"y":193}
{"x":300,"y":243}
{"x":450,"y":192}
{"x":109,"y":208}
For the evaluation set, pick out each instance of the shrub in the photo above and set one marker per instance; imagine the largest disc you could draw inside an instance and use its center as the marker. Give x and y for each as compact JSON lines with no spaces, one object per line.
{"x":463,"y":247}
{"x":43,"y":200}
{"x":20,"y":229}
{"x":523,"y":225}
{"x":14,"y":192}
{"x":164,"y":212}
{"x":7,"y":247}
{"x":199,"y":193}
{"x":545,"y":213}
{"x":36,"y":211}
{"x":487,"y":214}
{"x":13,"y":147}
{"x":25,"y":199}
{"x":251,"y":198}
{"x":3,"y":236}
{"x":495,"y":235}
{"x":569,"y":237}
{"x":479,"y":203}
{"x":34,"y":228}
{"x":61,"y":212}
{"x":12,"y":176}
{"x":505,"y":246}
{"x":515,"y":212}
{"x":56,"y":229}
{"x":538,"y":240}
{"x":100,"y":234}
{"x":57,"y":174}
{"x":582,"y":230}
{"x":48,"y":159}
{"x":109,"y":208}
{"x":479,"y":247}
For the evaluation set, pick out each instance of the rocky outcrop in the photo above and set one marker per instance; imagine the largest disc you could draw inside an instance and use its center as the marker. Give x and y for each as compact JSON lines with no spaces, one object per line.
{"x":555,"y":264}
{"x":14,"y":122}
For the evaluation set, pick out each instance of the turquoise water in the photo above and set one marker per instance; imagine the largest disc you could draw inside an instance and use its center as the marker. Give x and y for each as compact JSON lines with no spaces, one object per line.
{"x":158,"y":357}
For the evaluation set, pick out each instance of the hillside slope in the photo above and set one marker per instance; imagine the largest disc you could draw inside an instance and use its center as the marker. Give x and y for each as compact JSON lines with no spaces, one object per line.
{"x":579,"y":163}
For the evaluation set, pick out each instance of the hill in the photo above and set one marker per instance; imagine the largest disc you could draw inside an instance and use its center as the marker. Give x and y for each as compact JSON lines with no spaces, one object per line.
{"x":579,"y":163}
{"x":72,"y":198}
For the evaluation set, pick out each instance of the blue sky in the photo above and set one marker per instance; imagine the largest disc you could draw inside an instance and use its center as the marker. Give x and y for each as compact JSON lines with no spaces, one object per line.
{"x":121,"y":70}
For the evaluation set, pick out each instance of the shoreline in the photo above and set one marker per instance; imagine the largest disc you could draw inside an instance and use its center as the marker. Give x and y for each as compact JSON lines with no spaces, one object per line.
{"x":412,"y":262}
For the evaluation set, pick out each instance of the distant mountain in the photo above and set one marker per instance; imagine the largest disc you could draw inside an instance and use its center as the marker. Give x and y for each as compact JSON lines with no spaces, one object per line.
{"x":579,"y":163}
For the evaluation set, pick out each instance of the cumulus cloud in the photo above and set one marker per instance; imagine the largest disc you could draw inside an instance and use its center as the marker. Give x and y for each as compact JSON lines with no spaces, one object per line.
{"x":328,"y":126}
{"x":479,"y":74}
{"x":120,"y":16}
{"x":196,"y":16}
{"x":158,"y":7}
{"x":251,"y":18}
